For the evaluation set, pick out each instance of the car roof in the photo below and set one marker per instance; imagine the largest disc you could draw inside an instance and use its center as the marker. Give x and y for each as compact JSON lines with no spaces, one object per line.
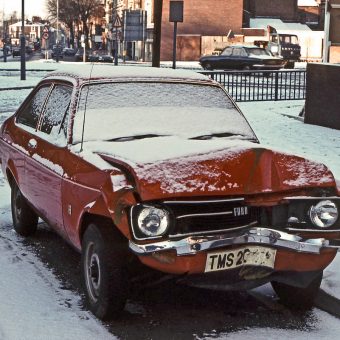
{"x":83,"y":72}
{"x":247,"y":46}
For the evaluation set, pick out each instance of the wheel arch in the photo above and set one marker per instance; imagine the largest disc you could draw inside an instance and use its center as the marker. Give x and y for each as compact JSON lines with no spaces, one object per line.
{"x":102,"y":222}
{"x":12,"y":176}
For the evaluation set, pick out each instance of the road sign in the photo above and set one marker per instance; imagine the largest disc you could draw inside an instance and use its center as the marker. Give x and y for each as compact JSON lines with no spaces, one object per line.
{"x":45,"y":36}
{"x":117,"y":22}
{"x":46,"y":29}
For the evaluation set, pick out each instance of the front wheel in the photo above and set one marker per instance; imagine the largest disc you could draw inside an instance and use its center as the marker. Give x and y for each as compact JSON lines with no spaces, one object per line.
{"x":25,"y":220}
{"x":105,"y":279}
{"x":296,"y":297}
{"x":208,"y":67}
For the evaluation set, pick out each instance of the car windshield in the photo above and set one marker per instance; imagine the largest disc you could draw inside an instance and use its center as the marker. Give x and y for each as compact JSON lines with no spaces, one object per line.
{"x":258,"y":52}
{"x":117,"y":110}
{"x":289,"y":39}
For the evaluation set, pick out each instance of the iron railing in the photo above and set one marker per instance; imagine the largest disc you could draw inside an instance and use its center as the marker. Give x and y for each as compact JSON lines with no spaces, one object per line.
{"x":262,"y":85}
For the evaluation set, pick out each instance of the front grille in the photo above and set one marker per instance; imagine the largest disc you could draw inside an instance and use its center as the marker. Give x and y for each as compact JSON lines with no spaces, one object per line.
{"x":214,"y":215}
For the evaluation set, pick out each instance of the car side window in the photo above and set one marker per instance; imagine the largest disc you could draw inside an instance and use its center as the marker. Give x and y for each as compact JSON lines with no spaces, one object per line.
{"x":237,"y":52}
{"x":227,"y":51}
{"x":29,"y":116}
{"x":54,"y":121}
{"x":243,"y":52}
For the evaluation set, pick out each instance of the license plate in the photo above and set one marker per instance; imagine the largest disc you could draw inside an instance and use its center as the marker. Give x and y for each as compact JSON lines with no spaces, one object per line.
{"x":252,"y":255}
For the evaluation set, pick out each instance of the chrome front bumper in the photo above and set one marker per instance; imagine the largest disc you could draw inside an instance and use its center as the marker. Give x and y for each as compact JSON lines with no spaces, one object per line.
{"x":259,"y":236}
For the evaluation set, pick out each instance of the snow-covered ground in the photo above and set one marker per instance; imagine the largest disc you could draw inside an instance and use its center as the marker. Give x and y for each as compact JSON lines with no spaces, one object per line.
{"x":35,"y":306}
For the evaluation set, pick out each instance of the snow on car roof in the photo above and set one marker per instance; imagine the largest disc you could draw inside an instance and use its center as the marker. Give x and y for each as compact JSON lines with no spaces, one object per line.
{"x":98,"y":71}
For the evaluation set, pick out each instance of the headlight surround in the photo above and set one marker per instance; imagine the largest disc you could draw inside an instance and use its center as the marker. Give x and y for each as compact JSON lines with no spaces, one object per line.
{"x":323,"y":214}
{"x":150,"y":221}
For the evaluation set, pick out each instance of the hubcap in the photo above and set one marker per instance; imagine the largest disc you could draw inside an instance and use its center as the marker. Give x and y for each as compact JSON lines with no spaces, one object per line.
{"x":92,"y":272}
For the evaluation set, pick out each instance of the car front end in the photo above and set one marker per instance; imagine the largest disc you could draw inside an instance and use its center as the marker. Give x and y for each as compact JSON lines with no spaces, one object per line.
{"x":282,"y":232}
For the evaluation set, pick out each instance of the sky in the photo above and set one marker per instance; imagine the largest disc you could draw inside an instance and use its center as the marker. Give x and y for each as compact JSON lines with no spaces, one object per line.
{"x":55,"y":312}
{"x":32,"y":7}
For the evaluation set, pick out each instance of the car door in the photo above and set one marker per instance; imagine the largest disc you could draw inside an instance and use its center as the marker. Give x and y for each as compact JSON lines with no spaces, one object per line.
{"x":225,"y":59}
{"x":44,"y":168}
{"x":237,"y":58}
{"x":26,"y":122}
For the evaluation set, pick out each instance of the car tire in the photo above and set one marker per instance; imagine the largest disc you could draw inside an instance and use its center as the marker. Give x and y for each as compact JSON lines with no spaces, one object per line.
{"x":295,"y":297}
{"x":25,"y":220}
{"x":104,"y":271}
{"x":289,"y":65}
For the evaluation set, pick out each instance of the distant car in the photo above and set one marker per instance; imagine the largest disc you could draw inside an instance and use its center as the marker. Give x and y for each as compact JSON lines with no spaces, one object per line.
{"x":16,"y":51}
{"x":141,"y":168}
{"x":69,"y":52}
{"x":79,"y":56}
{"x":29,"y":49}
{"x":100,"y":56}
{"x":56,"y":52}
{"x":242,"y":58}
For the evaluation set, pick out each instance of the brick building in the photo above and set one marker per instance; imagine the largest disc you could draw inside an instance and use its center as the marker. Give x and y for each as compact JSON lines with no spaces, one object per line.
{"x":286,"y":10}
{"x":201,"y":18}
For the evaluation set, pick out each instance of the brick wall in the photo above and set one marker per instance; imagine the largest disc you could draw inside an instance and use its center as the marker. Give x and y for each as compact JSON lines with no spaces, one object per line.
{"x":201,"y":17}
{"x":285,"y":9}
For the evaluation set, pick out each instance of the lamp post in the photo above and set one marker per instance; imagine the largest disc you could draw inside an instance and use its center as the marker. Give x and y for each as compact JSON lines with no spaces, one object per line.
{"x":57,"y":37}
{"x":4,"y":34}
{"x":22,"y":43}
{"x":325,"y":54}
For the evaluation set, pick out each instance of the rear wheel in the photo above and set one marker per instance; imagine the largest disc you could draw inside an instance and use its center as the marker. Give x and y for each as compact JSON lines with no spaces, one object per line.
{"x":104,"y":273}
{"x":25,"y":220}
{"x":295,"y":297}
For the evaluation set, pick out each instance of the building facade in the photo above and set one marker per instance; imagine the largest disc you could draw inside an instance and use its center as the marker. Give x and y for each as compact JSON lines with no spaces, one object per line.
{"x":33,"y":32}
{"x":201,"y":18}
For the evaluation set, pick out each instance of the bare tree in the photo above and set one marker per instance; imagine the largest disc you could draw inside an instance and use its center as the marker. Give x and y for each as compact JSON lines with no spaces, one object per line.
{"x":66,"y":14}
{"x":76,"y":11}
{"x":87,"y":9}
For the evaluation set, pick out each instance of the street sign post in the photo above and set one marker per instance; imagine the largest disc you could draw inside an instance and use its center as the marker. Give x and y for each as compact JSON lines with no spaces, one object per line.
{"x":117,"y":23}
{"x":176,"y":15}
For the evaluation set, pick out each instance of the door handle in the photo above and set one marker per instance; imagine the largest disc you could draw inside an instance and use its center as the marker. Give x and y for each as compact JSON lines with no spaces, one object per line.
{"x":32,"y":144}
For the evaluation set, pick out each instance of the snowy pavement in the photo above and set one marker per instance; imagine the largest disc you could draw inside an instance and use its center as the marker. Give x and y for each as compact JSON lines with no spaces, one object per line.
{"x":34,"y":304}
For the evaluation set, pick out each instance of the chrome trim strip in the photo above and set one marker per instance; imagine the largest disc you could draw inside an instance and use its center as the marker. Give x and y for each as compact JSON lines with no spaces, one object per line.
{"x":320,"y":198}
{"x":260,"y":236}
{"x":314,"y":230}
{"x":216,"y":231}
{"x":206,"y":214}
{"x":205,"y":201}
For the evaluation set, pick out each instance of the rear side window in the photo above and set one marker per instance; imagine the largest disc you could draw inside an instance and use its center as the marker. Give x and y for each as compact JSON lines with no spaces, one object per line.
{"x":227,"y":51}
{"x":29,"y":116}
{"x":54,"y":120}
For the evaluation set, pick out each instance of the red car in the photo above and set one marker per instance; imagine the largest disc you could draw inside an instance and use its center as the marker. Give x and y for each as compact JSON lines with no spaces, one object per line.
{"x":158,"y":168}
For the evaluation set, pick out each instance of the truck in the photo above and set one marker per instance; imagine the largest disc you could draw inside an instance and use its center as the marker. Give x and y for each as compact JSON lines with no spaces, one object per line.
{"x":284,"y":45}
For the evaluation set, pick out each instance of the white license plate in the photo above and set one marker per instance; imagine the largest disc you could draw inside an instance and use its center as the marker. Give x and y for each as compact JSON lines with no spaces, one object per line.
{"x":251,"y":255}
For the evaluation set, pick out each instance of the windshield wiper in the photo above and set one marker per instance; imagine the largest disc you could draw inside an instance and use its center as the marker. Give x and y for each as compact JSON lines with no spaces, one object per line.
{"x":222,"y":134}
{"x":129,"y":138}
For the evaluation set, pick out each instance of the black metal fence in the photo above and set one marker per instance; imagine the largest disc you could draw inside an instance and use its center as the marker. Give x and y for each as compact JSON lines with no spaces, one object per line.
{"x":262,"y":85}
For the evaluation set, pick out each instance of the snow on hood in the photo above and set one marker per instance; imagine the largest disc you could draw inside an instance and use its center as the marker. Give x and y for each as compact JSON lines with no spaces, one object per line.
{"x":173,"y":167}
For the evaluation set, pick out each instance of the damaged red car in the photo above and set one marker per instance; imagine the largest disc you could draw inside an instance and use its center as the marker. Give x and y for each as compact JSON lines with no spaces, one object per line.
{"x":154,"y":168}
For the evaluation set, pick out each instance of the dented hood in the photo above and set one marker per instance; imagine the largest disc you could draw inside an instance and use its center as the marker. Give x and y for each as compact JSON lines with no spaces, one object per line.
{"x":219,"y":168}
